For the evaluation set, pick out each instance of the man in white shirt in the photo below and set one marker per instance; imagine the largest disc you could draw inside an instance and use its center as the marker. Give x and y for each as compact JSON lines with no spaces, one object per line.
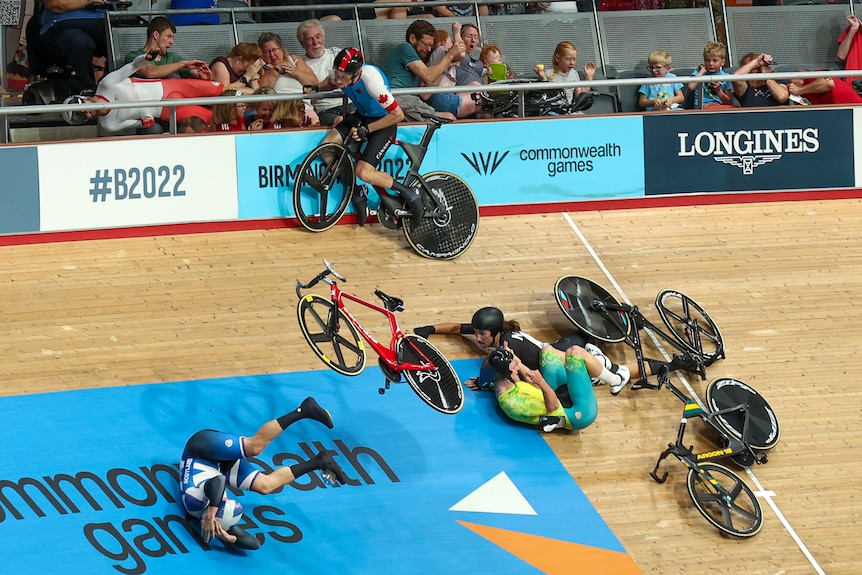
{"x":319,"y":58}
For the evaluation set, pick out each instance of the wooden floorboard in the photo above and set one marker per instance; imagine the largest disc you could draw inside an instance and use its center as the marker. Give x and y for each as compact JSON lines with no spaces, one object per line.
{"x":781,"y":280}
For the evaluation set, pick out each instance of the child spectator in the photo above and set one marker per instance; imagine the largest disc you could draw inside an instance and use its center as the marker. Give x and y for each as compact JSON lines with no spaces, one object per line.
{"x":193,"y":125}
{"x":715,"y":94}
{"x":262,"y":119}
{"x":229,"y":117}
{"x":442,"y":44}
{"x":661,"y":97}
{"x":565,"y":59}
{"x":290,"y":114}
{"x":491,"y":54}
{"x":756,"y":93}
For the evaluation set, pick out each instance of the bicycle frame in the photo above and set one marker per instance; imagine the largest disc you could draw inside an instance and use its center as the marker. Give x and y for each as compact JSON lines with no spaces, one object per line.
{"x":639,"y":322}
{"x":685,"y":454}
{"x":386,"y":353}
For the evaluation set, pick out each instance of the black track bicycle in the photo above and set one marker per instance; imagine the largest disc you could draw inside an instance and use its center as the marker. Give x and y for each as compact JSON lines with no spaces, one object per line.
{"x":325,"y":184}
{"x":690,"y":330}
{"x":744,"y":423}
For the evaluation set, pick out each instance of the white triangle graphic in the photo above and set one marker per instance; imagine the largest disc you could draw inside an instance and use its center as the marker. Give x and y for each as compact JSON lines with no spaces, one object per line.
{"x":497,"y":495}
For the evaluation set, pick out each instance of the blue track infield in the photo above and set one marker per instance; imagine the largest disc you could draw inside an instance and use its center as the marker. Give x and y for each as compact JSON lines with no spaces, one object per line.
{"x":88,"y":484}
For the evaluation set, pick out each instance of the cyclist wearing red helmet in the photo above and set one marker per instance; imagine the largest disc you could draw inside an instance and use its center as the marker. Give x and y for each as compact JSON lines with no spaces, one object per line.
{"x":375,"y":122}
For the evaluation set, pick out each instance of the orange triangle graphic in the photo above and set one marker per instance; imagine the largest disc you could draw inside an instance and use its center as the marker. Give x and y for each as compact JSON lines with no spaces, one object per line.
{"x":555,"y":557}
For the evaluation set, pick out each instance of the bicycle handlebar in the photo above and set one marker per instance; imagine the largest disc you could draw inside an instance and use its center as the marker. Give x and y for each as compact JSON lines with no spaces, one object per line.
{"x":318,"y":278}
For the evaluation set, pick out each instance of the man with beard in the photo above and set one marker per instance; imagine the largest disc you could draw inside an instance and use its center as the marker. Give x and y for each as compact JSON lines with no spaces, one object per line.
{"x":405,"y":67}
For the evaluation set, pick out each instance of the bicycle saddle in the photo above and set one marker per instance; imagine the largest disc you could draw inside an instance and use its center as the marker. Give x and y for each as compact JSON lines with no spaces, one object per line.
{"x":389,"y":302}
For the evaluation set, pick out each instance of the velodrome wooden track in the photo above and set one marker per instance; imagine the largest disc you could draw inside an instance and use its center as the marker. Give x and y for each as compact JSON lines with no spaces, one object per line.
{"x":782,"y":281}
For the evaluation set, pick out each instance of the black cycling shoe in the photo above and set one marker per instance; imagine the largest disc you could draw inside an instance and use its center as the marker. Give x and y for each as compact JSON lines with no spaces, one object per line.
{"x":331,"y":471}
{"x":415,"y":204}
{"x":548,"y":423}
{"x":360,"y":204}
{"x":310,"y":409}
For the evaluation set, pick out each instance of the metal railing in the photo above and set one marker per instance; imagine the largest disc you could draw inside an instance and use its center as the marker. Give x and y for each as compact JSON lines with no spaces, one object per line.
{"x":519,"y":88}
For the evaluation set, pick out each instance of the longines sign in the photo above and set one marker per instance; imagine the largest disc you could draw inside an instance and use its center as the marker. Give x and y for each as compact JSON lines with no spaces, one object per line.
{"x":727,"y":152}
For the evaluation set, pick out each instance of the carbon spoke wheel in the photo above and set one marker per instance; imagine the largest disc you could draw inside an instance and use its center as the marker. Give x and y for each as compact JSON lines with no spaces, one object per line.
{"x":763,"y":429}
{"x":340,"y":349}
{"x":576,"y":296}
{"x":448,"y":233}
{"x":440,"y":387}
{"x":690,"y":325}
{"x":724,"y":499}
{"x":323,"y":187}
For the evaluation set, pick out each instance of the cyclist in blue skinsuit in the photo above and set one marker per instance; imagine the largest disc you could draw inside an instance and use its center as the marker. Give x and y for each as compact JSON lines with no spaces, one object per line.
{"x":212,"y":460}
{"x":374,"y":122}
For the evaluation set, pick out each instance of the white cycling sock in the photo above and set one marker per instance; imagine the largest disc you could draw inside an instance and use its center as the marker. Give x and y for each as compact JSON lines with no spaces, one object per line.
{"x":609,"y":377}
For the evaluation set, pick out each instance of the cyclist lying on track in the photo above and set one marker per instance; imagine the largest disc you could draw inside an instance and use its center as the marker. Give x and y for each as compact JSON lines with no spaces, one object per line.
{"x":558,"y":395}
{"x":375,"y":122}
{"x":213,"y":460}
{"x":493,"y":331}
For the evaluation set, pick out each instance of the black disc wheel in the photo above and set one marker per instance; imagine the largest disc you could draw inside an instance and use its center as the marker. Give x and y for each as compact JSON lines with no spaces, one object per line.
{"x":725,"y":393}
{"x":586,"y":303}
{"x":451,"y":218}
{"x":439,"y":387}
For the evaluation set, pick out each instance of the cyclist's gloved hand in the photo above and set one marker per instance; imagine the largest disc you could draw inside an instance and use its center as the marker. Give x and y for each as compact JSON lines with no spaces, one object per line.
{"x":424,"y":331}
{"x":361,"y":132}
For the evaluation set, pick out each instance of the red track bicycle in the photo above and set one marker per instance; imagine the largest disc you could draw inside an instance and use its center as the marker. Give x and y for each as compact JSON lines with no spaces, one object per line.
{"x":334,"y":335}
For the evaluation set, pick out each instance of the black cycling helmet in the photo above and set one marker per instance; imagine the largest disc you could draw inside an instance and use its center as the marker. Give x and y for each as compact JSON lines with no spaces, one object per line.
{"x":499,"y":360}
{"x":488,"y":318}
{"x":349,"y":61}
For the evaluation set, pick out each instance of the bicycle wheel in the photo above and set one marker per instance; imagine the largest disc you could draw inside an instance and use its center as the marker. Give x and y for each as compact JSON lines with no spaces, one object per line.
{"x":733,"y":508}
{"x":341,"y":350}
{"x":440,"y":388}
{"x":323,"y":187}
{"x":449,"y":234}
{"x":690,"y":325}
{"x":575,"y":296}
{"x":763,"y":429}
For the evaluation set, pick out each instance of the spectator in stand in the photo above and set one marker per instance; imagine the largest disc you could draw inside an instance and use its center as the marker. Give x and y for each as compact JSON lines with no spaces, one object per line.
{"x":73,"y":31}
{"x":556,"y":7}
{"x":405,"y":68}
{"x":240,"y":70}
{"x":190,"y":19}
{"x":230,"y":116}
{"x":564,"y":61}
{"x":298,"y":15}
{"x":287,"y":73}
{"x":320,"y":59}
{"x":160,"y":38}
{"x":193,"y":125}
{"x":383,"y":12}
{"x":849,"y":50}
{"x":119,"y":86}
{"x":442,"y":44}
{"x":491,"y":56}
{"x":715,"y":94}
{"x":661,"y":97}
{"x":821,"y":91}
{"x":460,"y":10}
{"x":757,"y":93}
{"x":261,"y":118}
{"x":470,"y":69}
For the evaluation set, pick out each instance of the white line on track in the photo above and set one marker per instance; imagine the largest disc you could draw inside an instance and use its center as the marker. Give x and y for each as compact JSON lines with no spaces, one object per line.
{"x":760,"y":492}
